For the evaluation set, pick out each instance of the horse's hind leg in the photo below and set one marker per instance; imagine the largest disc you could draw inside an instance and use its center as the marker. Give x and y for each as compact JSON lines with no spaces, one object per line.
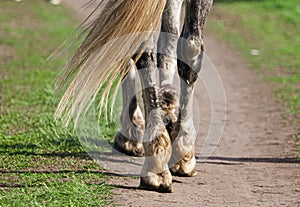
{"x":129,"y":139}
{"x":155,"y":174}
{"x":190,"y":54}
{"x":167,"y":43}
{"x":167,"y":60}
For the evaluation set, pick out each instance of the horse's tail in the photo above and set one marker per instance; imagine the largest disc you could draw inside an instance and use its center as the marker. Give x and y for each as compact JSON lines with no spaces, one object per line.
{"x":101,"y":59}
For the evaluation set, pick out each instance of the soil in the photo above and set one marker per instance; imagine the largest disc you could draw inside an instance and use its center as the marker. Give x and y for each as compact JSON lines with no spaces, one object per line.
{"x":254,"y":163}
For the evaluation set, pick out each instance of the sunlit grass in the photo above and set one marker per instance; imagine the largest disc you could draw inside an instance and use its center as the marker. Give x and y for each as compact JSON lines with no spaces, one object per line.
{"x":42,"y":163}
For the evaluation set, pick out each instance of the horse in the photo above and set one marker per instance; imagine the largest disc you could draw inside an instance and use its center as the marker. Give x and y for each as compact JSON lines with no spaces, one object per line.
{"x":131,"y":37}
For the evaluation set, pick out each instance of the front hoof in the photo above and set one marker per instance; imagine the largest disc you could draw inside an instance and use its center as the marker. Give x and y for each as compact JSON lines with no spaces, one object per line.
{"x":176,"y":170}
{"x":157,"y":182}
{"x":184,"y":168}
{"x":128,"y":147}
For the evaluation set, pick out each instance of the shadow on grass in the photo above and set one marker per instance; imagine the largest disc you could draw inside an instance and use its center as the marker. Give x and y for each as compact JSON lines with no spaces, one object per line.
{"x":73,"y":151}
{"x":6,"y":185}
{"x":32,"y":150}
{"x":91,"y":155}
{"x":111,"y":174}
{"x":68,"y":147}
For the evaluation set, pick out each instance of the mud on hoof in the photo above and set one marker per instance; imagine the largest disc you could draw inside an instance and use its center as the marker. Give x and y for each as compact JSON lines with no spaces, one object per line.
{"x":185,"y":167}
{"x":157,"y":182}
{"x":128,"y":146}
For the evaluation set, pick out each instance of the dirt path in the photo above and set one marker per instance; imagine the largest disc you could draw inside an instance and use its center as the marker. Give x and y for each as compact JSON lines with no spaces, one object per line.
{"x":253,"y":164}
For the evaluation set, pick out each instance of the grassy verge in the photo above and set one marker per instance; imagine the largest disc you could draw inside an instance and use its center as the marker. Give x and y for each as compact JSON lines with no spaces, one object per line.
{"x":41,"y":164}
{"x":267,"y":34}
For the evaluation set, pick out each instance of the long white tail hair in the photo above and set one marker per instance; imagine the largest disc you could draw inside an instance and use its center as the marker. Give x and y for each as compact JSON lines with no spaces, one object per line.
{"x":102,"y":57}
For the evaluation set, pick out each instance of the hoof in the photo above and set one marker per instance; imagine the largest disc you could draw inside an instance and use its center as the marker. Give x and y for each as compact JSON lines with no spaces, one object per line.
{"x":184,"y":168}
{"x":176,"y":171}
{"x":157,"y":182}
{"x":127,"y":146}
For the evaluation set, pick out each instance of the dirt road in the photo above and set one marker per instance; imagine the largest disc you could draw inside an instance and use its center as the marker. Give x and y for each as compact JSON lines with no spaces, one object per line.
{"x":253,"y":164}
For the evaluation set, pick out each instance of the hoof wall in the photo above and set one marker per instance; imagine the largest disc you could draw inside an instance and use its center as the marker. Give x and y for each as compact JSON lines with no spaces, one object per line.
{"x":128,"y":147}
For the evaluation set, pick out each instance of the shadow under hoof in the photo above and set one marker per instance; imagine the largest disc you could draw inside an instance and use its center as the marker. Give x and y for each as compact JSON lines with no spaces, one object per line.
{"x":182,"y":174}
{"x":160,"y":189}
{"x":128,"y":147}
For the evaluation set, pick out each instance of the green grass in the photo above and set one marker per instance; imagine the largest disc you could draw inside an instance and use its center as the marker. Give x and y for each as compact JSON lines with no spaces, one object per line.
{"x":62,"y":189}
{"x":272,"y":27}
{"x":42,"y":164}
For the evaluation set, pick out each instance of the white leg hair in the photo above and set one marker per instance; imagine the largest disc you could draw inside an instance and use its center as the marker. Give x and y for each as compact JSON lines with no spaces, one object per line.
{"x":167,"y":44}
{"x":155,"y":174}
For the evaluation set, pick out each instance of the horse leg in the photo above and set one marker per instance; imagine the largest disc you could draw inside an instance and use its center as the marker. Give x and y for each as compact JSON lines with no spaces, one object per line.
{"x":155,"y":174}
{"x":190,"y":53}
{"x":167,"y":60}
{"x":129,"y":139}
{"x":167,"y":43}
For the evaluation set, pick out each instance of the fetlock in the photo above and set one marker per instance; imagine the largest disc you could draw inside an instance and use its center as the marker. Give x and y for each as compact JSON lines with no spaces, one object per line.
{"x":169,"y":103}
{"x":129,"y":139}
{"x":183,"y":162}
{"x":158,"y":150}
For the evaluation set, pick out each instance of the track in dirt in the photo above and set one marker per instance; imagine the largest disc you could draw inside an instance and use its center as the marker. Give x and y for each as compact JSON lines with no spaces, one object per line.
{"x":253,"y":164}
